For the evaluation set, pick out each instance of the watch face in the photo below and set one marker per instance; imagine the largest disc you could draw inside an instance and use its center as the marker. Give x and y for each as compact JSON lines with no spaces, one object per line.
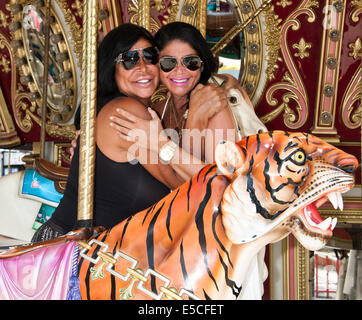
{"x":167,"y":152}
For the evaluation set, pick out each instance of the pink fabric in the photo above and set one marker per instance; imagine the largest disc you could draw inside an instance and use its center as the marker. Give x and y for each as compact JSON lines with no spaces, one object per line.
{"x":42,"y":274}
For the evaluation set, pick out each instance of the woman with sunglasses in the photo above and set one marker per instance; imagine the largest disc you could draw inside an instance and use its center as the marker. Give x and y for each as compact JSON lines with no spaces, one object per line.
{"x":127,"y":77}
{"x":121,"y":188}
{"x":198,"y":112}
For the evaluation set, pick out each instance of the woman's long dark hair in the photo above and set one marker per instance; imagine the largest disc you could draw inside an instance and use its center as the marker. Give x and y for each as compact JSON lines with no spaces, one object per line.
{"x":116,"y":41}
{"x":189,"y":34}
{"x":119,"y":40}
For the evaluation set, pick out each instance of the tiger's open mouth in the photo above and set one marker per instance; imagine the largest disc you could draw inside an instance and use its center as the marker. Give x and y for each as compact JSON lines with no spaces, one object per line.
{"x":311,"y":219}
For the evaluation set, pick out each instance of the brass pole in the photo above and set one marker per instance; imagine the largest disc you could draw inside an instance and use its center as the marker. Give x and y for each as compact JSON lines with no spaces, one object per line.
{"x":88,"y":114}
{"x":236,"y":29}
{"x":45,"y":78}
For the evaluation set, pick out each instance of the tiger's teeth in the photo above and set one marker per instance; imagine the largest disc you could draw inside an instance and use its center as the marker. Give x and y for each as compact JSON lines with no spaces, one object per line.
{"x":340,"y":200}
{"x":333,"y":199}
{"x":334,"y":222}
{"x":336,"y":199}
{"x":324,"y":225}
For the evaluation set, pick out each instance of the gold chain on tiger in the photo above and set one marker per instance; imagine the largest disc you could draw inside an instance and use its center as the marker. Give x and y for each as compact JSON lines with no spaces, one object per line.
{"x":132,"y":272}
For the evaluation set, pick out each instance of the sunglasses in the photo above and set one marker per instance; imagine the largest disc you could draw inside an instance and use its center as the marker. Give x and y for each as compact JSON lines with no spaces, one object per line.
{"x":191,"y":62}
{"x":130,"y":59}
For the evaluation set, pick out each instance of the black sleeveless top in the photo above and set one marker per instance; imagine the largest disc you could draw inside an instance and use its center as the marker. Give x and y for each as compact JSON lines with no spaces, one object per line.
{"x":121,"y":189}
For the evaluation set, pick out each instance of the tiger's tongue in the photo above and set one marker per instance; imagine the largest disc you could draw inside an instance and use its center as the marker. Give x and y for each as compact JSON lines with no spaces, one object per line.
{"x":313,"y":212}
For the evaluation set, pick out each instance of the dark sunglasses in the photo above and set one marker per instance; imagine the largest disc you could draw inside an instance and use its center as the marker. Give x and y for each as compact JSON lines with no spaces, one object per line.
{"x":191,"y":62}
{"x":130,"y":59}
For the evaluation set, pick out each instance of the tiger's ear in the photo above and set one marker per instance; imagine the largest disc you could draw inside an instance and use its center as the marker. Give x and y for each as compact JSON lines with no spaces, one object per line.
{"x":229,"y":157}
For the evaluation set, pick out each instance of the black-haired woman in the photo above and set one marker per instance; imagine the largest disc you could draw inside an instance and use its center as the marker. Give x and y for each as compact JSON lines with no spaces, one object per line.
{"x":121,"y":188}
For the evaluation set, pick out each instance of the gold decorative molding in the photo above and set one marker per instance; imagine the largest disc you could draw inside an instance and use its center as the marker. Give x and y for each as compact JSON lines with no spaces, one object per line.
{"x":114,"y":18}
{"x":301,"y":271}
{"x":158,"y":5}
{"x":77,"y":5}
{"x":272,"y":41}
{"x":292,"y":80}
{"x":4,"y":63}
{"x":350,"y":113}
{"x":144,"y":14}
{"x":356,"y":49}
{"x":59,"y":153}
{"x":357,"y":10}
{"x":286,"y":268}
{"x":349,"y":215}
{"x":76,"y":30}
{"x":284,"y":3}
{"x":138,"y":15}
{"x":302,"y":48}
{"x":327,"y":90}
{"x":3,"y":19}
{"x":172,"y":11}
{"x":57,"y":131}
{"x":8,"y":135}
{"x":193,"y":12}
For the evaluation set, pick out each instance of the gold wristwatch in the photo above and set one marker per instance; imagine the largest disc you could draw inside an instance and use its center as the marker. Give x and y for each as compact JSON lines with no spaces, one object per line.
{"x":167,"y":151}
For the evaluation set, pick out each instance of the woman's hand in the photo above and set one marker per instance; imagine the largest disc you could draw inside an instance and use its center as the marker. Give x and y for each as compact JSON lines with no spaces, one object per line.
{"x":205,"y":102}
{"x":74,"y":144}
{"x":143,"y":132}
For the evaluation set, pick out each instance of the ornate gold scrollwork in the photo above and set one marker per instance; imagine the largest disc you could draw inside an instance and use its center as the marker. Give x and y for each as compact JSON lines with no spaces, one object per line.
{"x":357,"y":10}
{"x":356,"y":49}
{"x":352,"y":117}
{"x":8,"y":134}
{"x":302,"y":48}
{"x":284,"y":3}
{"x":292,"y":81}
{"x":141,"y":15}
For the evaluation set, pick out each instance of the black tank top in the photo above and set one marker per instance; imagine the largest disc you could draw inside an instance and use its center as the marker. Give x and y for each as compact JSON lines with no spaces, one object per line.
{"x":121,"y":189}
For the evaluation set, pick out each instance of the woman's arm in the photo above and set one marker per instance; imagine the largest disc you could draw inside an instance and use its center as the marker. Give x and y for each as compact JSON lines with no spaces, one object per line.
{"x":183,"y":163}
{"x":210,"y":119}
{"x":122,"y":150}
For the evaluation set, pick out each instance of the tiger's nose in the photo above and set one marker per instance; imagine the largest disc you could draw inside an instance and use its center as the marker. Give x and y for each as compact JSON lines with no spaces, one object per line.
{"x":348,"y":164}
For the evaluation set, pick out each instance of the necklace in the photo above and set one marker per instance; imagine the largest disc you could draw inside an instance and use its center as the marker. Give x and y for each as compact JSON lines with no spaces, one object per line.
{"x":180,"y":123}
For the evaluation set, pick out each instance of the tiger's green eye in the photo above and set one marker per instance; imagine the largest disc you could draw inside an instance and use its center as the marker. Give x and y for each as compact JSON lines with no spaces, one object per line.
{"x":299,"y":157}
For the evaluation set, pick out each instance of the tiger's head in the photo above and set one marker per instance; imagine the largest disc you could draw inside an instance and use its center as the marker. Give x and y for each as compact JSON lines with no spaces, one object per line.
{"x":277,"y":181}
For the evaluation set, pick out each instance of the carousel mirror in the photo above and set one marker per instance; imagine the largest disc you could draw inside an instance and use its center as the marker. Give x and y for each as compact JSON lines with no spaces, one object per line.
{"x":63,"y":74}
{"x":244,"y":56}
{"x":221,"y":17}
{"x":34,"y":34}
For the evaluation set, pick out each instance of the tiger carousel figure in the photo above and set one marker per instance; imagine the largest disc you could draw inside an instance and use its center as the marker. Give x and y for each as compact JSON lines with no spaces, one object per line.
{"x":198,"y":241}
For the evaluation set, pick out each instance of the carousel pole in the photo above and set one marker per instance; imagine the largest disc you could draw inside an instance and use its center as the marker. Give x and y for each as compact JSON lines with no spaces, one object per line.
{"x":45,"y":79}
{"x":88,"y":114}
